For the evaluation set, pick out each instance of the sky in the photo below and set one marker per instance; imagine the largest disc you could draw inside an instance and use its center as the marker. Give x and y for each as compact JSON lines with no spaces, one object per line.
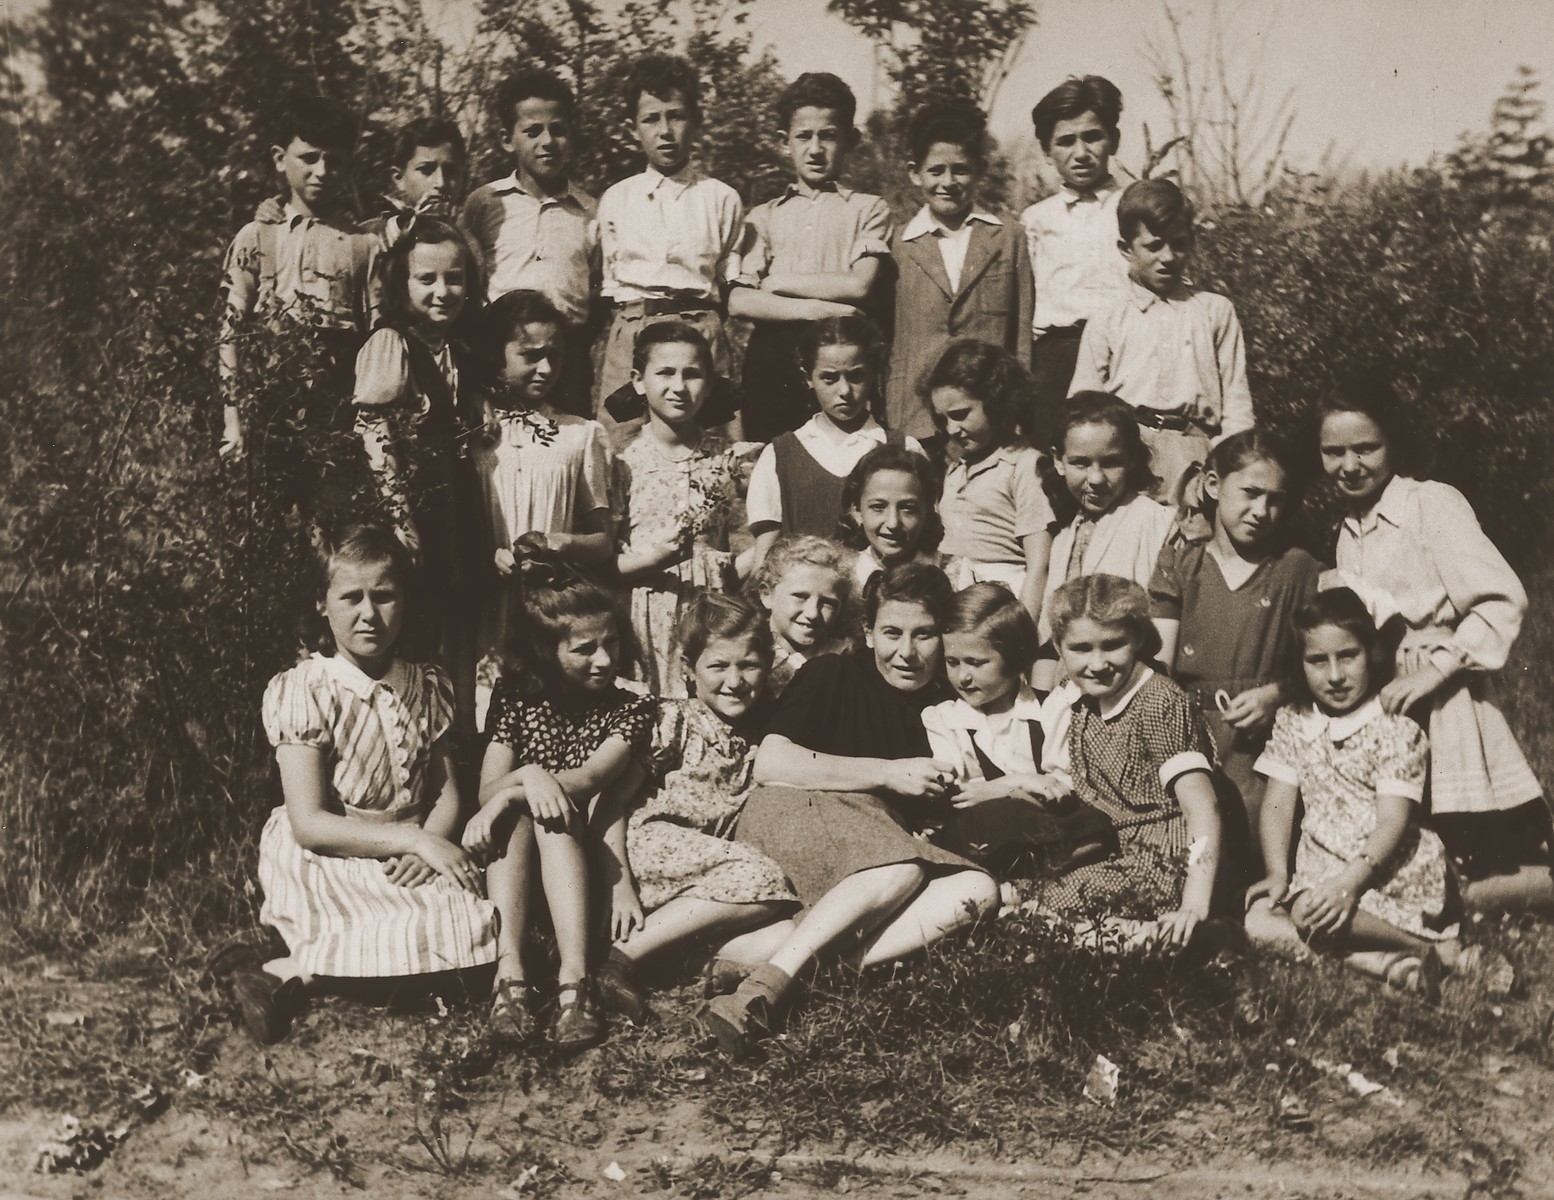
{"x":1377,"y":83}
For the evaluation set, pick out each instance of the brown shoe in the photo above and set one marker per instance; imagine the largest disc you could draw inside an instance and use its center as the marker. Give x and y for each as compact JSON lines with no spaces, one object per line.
{"x":618,"y":992}
{"x":513,"y":1004}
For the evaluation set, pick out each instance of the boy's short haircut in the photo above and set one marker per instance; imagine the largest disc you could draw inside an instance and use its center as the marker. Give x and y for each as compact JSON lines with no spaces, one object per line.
{"x":957,"y":124}
{"x":817,"y":89}
{"x":317,"y":121}
{"x":1074,"y":97}
{"x":1158,"y":204}
{"x":428,"y":133}
{"x":530,"y":83}
{"x":660,"y":76}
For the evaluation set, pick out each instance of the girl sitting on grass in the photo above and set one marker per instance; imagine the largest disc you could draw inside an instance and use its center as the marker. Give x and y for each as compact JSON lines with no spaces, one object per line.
{"x":802,"y":583}
{"x":890,"y":512}
{"x":362,"y":872}
{"x":1133,"y":747}
{"x":562,"y":735}
{"x":1369,"y":883}
{"x":692,"y":878}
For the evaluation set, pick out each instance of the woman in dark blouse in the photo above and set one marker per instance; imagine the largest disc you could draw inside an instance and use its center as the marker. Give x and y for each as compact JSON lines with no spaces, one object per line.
{"x":846,"y":781}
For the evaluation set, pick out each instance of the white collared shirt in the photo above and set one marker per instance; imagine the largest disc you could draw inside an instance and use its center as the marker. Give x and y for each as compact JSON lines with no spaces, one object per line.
{"x":837,"y":450}
{"x":953,"y":243}
{"x":669,"y":235}
{"x":956,"y":731}
{"x":1078,"y":269}
{"x":547,"y":244}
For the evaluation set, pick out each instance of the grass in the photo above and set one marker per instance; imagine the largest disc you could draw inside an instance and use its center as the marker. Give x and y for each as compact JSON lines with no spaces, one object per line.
{"x":983,"y":1046}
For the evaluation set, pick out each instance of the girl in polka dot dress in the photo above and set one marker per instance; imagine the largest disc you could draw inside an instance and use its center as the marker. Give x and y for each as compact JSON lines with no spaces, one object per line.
{"x":563,"y":734}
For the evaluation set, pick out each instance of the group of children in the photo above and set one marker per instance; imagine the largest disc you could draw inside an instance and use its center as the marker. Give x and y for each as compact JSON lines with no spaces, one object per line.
{"x":1089,"y":655}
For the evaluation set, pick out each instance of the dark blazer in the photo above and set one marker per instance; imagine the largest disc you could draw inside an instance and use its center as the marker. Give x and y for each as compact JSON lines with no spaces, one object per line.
{"x":993,"y":303}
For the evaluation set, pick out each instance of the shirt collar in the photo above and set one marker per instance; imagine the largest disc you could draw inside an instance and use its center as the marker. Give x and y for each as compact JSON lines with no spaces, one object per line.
{"x":1120,"y":705}
{"x":925,"y":222}
{"x":1144,"y":299}
{"x":511,"y":184}
{"x":1388,"y":507}
{"x":1026,"y":707}
{"x":797,"y":190}
{"x":870,"y":430}
{"x":1344,"y":726}
{"x":987,"y":462}
{"x":1101,"y":191}
{"x":683,"y":178}
{"x":356,"y":681}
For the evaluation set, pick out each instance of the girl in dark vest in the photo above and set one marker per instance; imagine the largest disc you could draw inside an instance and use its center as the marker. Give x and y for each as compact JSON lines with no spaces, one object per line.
{"x":796,"y":487}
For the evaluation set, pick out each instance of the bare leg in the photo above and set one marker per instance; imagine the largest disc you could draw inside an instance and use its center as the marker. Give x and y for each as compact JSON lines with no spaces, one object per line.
{"x":857,"y":905}
{"x":947,"y":903}
{"x":758,"y":945}
{"x":1529,"y":890}
{"x":687,"y":917}
{"x":564,"y":876}
{"x":508,"y":881}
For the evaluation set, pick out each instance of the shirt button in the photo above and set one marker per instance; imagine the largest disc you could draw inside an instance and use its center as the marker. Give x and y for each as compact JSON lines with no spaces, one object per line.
{"x":1187,"y":650}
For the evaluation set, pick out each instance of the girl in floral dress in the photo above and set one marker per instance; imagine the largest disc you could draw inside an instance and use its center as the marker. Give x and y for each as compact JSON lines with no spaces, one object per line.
{"x":677,"y":484}
{"x":1369,"y":883}
{"x":692,"y":878}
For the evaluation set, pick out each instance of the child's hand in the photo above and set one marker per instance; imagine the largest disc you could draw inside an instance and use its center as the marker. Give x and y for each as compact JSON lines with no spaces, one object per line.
{"x":408,"y":870}
{"x":270,"y":211}
{"x":480,"y":834}
{"x":547,"y":799}
{"x":1272,"y":888}
{"x":1253,"y":710}
{"x":625,"y":911}
{"x":1176,"y":928}
{"x":450,"y":861}
{"x":979,"y":791}
{"x":1326,"y":908}
{"x":1408,"y":690}
{"x":819,"y":310}
{"x":505,"y":562}
{"x":920,"y":778}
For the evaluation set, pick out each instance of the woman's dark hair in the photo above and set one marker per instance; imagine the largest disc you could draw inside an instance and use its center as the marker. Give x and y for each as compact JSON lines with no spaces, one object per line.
{"x":550,"y":597}
{"x":1106,"y":600}
{"x":998,"y":615}
{"x":1372,"y":395}
{"x":1098,"y":408}
{"x":358,"y":545}
{"x":1241,"y":450}
{"x":963,"y":125}
{"x":890,"y":457}
{"x":428,"y":133}
{"x":394,"y":265}
{"x":987,"y":373}
{"x":716,"y":616}
{"x":1074,"y":97}
{"x":669,"y":333}
{"x":660,"y":76}
{"x":1343,"y":608}
{"x":909,"y":583}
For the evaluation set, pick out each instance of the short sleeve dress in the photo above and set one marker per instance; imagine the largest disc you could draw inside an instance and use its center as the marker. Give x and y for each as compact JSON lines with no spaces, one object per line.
{"x":1341,"y":764}
{"x":1122,"y":764}
{"x":688,"y":500}
{"x":839,"y":704}
{"x":1231,"y":638}
{"x":679,"y":841}
{"x":341,"y":916}
{"x":562,"y":737}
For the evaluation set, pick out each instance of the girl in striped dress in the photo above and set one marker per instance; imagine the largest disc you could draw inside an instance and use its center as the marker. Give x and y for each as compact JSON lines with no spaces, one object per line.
{"x":362,"y":874}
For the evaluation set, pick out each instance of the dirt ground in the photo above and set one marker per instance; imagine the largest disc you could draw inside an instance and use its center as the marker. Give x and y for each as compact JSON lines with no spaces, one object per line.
{"x":360,"y":1100}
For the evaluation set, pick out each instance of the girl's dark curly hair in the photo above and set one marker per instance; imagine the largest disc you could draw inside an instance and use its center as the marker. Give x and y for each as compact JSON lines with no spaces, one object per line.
{"x":394,"y":264}
{"x":550,"y":598}
{"x":888,"y":457}
{"x":1371,"y":394}
{"x":1343,"y":608}
{"x":986,"y":373}
{"x":1098,"y":408}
